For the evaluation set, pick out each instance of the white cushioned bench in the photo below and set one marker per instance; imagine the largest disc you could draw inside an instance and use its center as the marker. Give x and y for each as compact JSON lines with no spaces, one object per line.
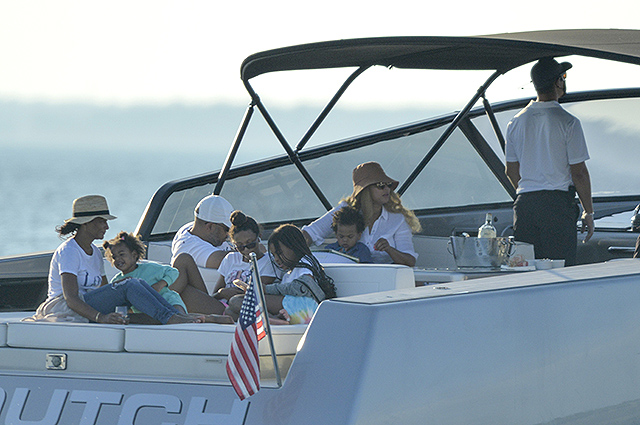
{"x":66,"y":336}
{"x":205,"y":338}
{"x":5,"y":319}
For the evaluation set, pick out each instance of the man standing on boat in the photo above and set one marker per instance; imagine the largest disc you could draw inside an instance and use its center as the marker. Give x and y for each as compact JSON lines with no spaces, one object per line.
{"x":546,"y":153}
{"x":204,"y":239}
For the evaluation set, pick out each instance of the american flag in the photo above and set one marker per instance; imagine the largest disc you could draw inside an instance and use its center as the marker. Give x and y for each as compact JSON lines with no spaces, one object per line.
{"x":243,"y":365}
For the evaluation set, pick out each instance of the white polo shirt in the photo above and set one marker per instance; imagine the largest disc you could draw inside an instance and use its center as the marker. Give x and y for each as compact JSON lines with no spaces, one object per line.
{"x":545,"y":140}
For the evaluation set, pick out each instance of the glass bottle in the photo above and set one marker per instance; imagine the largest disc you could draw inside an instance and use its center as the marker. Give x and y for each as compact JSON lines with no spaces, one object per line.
{"x":487,"y":230}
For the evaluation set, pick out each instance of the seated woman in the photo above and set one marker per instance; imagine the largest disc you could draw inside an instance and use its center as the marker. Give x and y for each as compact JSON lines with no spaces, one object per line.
{"x":294,"y":298}
{"x":235,"y":269}
{"x":78,"y":288}
{"x":389,"y":225}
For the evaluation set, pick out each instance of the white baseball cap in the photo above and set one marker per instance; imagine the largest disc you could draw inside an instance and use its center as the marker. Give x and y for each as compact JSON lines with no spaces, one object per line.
{"x":214,"y":209}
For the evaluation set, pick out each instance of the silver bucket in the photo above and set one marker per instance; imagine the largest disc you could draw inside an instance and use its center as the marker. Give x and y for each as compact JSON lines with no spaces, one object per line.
{"x":480,"y":252}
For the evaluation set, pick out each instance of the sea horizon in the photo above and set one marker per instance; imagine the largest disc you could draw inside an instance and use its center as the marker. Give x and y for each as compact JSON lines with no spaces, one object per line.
{"x":51,"y":154}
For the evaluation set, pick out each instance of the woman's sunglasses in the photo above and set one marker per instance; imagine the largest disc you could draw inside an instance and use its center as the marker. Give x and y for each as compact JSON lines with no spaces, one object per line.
{"x":251,"y":245}
{"x":382,"y":185}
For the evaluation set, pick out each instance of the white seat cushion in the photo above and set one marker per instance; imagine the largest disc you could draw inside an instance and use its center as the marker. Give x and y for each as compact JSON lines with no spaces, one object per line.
{"x":204,"y":338}
{"x":5,"y":318}
{"x":357,"y":279}
{"x":66,"y":336}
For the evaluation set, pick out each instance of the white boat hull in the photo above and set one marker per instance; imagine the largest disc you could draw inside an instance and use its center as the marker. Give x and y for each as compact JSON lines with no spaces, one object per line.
{"x":556,"y":346}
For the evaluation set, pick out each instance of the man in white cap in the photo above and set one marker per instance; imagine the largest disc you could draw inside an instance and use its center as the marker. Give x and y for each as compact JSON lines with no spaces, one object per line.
{"x":204,"y":239}
{"x":546,"y":153}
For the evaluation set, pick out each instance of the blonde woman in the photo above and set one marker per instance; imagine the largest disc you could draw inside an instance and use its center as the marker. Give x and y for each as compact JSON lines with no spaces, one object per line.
{"x":389,"y":225}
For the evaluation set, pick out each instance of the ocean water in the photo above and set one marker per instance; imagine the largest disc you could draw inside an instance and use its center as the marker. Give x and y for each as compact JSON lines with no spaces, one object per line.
{"x":38,"y":186}
{"x":51,"y":154}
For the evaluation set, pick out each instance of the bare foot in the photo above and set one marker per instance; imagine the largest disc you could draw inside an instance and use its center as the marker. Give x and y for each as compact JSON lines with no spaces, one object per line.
{"x":218,"y":318}
{"x":285,"y":315}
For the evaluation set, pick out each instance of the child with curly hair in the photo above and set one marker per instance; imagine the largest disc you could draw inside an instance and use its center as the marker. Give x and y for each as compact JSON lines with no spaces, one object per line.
{"x":125,"y":252}
{"x":348,"y":225}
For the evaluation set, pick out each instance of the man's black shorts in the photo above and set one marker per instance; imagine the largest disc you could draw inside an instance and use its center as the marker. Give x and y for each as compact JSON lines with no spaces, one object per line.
{"x":548,"y":219}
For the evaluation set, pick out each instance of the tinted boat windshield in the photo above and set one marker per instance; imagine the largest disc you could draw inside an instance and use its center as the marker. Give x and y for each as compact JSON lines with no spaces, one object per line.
{"x":444,"y":163}
{"x":612,"y":129}
{"x":456,"y":176}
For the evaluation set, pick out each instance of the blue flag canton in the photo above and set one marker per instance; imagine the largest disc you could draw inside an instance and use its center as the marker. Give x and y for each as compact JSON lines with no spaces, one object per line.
{"x":248,"y":309}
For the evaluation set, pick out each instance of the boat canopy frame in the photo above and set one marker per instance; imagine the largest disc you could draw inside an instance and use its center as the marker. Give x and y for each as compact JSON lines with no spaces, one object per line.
{"x":499,"y":53}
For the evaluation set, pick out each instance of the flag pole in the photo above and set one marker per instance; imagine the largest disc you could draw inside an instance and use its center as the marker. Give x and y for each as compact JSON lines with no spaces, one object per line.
{"x":265,"y":315}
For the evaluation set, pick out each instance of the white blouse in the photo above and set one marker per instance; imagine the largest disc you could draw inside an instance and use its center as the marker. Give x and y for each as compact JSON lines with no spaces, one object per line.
{"x":391,"y":226}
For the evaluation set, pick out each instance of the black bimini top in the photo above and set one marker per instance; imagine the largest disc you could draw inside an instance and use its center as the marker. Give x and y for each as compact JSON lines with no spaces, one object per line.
{"x":498,"y":52}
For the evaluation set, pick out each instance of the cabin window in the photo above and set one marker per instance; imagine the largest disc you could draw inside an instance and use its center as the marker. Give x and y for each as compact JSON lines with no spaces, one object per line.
{"x":178,"y":209}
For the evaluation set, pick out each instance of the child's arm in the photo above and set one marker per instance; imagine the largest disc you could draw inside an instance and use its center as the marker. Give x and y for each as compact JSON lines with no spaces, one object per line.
{"x":169,"y":275}
{"x":159,"y":285}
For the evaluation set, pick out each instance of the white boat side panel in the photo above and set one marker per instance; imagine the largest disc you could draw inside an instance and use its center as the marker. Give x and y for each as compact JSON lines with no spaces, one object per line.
{"x":605,"y":271}
{"x":130,"y":366}
{"x":522,"y":355}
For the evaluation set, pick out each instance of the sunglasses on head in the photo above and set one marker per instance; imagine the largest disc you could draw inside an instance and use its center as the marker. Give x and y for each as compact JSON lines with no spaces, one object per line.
{"x":251,"y":245}
{"x":382,"y":185}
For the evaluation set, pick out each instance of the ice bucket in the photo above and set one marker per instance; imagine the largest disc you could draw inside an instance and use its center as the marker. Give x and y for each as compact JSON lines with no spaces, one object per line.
{"x":480,"y":252}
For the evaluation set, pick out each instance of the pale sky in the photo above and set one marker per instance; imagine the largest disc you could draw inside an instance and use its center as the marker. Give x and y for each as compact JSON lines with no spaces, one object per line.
{"x":186,"y":51}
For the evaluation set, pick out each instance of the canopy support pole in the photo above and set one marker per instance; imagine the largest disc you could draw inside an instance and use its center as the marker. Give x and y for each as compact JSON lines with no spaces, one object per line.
{"x":257,"y":282}
{"x":494,"y":122}
{"x":222,"y":175}
{"x":444,"y":136}
{"x":329,"y":107}
{"x":293,"y":156}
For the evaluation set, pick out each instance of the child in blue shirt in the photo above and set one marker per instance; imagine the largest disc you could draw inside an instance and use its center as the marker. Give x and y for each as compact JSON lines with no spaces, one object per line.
{"x":348,"y":225}
{"x":125,"y":252}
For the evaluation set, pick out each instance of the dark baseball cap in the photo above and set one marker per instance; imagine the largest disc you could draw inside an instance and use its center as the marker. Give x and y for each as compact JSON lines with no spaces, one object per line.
{"x":546,"y":71}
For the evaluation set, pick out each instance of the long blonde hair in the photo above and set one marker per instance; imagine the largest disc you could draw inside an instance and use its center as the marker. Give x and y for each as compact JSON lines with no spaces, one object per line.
{"x":364,"y":203}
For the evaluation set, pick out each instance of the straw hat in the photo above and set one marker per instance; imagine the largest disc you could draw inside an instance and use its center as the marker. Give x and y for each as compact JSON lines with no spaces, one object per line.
{"x":370,"y":173}
{"x":86,"y":208}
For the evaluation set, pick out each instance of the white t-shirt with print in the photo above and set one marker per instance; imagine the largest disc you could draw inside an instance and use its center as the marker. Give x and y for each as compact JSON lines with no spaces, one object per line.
{"x":233,"y":267}
{"x":198,"y":248}
{"x":70,"y":258}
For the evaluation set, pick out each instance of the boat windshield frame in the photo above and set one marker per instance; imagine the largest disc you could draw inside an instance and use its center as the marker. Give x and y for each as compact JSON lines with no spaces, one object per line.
{"x":499,"y":53}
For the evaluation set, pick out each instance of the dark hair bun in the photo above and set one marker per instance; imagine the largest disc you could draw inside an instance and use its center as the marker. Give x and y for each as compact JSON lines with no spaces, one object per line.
{"x":238,"y":218}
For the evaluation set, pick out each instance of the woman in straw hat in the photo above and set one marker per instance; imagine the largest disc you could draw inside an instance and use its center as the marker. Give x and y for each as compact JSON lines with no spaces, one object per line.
{"x":78,"y":289}
{"x":389,"y":225}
